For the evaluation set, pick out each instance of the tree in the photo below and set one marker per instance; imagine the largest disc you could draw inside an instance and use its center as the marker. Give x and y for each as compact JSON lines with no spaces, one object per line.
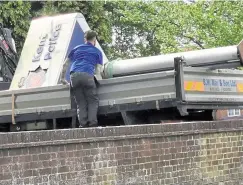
{"x":16,"y":16}
{"x":130,"y":29}
{"x":155,"y":27}
{"x":93,"y":11}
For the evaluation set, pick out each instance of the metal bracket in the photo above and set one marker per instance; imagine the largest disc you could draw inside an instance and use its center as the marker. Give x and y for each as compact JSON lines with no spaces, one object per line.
{"x":73,"y":121}
{"x":240,"y":51}
{"x":138,"y":100}
{"x":13,"y":109}
{"x":128,"y":118}
{"x":157,"y":105}
{"x":54,"y":123}
{"x":40,"y":111}
{"x":179,"y":78}
{"x":182,"y":110}
{"x":111,"y":103}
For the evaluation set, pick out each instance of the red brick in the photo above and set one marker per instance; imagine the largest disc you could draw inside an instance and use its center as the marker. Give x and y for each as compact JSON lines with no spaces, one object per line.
{"x":179,"y":159}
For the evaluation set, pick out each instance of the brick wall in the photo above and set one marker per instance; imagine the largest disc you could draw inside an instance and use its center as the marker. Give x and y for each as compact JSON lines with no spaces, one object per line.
{"x":223,"y":115}
{"x":185,"y":154}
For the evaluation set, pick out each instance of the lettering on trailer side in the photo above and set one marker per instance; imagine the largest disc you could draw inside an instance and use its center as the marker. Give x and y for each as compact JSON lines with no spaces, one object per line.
{"x":52,"y":42}
{"x":219,"y":82}
{"x":220,"y":85}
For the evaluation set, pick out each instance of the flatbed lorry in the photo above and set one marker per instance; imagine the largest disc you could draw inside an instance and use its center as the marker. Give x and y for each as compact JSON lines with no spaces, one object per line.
{"x":175,"y":87}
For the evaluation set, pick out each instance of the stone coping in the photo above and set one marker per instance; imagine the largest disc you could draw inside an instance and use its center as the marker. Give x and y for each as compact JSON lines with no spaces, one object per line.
{"x":65,"y":136}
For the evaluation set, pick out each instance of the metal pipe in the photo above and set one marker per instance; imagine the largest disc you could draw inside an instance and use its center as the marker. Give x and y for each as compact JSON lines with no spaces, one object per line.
{"x":219,"y":57}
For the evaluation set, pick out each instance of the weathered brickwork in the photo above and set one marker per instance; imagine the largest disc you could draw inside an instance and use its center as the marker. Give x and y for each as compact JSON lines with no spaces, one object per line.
{"x":223,"y":115}
{"x":187,"y":154}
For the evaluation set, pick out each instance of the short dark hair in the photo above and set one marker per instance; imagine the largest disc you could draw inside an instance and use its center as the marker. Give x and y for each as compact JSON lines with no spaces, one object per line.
{"x":90,"y":35}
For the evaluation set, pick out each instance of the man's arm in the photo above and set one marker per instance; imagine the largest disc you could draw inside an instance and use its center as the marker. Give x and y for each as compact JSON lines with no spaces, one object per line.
{"x":64,"y":70}
{"x":99,"y":67}
{"x":99,"y":71}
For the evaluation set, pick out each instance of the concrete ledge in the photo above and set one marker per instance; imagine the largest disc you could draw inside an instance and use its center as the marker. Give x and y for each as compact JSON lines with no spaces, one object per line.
{"x":57,"y":137}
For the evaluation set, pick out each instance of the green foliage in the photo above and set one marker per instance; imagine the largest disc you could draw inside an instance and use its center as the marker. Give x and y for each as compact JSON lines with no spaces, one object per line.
{"x":165,"y":26}
{"x":93,"y":11}
{"x":140,"y":28}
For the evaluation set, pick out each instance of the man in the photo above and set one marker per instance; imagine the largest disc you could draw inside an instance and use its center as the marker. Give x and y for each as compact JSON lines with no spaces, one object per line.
{"x":85,"y":60}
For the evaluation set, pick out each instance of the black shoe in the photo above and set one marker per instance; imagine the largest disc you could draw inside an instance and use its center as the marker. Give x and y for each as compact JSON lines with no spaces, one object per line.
{"x":83,"y":126}
{"x":93,"y":125}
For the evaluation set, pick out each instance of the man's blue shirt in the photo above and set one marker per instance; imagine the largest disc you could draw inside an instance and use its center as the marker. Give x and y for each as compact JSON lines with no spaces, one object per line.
{"x":84,"y":58}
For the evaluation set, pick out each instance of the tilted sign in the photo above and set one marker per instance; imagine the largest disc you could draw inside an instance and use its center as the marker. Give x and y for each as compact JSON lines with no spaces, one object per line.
{"x":48,"y":42}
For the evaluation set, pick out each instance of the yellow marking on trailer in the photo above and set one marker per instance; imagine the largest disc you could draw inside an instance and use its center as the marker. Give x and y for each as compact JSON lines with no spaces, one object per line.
{"x":239,"y":87}
{"x":188,"y":85}
{"x":193,"y":86}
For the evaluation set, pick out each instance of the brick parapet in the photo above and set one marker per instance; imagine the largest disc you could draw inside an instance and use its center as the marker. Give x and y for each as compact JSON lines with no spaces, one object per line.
{"x":67,"y":136}
{"x":177,"y":154}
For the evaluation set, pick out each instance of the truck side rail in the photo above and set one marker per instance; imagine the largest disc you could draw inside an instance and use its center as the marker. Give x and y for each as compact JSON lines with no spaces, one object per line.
{"x":137,"y":92}
{"x":184,"y":88}
{"x":34,"y":101}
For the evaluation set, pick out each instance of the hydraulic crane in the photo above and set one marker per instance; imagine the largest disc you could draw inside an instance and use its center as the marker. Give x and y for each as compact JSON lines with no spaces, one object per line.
{"x":8,"y":57}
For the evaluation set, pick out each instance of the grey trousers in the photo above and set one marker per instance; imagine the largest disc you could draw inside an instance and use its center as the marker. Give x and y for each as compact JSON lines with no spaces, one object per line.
{"x":85,"y":95}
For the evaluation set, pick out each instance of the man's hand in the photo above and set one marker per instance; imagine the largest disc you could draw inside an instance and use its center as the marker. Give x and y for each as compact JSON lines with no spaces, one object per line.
{"x":65,"y":66}
{"x":64,"y":82}
{"x":98,"y":72}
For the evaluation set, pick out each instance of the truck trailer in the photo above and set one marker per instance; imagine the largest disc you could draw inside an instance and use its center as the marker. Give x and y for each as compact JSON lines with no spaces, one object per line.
{"x":186,"y":86}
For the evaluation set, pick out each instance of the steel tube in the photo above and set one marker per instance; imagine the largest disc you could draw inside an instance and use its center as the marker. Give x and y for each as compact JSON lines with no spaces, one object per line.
{"x":201,"y":58}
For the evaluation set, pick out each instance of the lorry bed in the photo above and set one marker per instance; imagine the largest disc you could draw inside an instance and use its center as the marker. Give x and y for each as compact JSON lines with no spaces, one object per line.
{"x":185,"y":88}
